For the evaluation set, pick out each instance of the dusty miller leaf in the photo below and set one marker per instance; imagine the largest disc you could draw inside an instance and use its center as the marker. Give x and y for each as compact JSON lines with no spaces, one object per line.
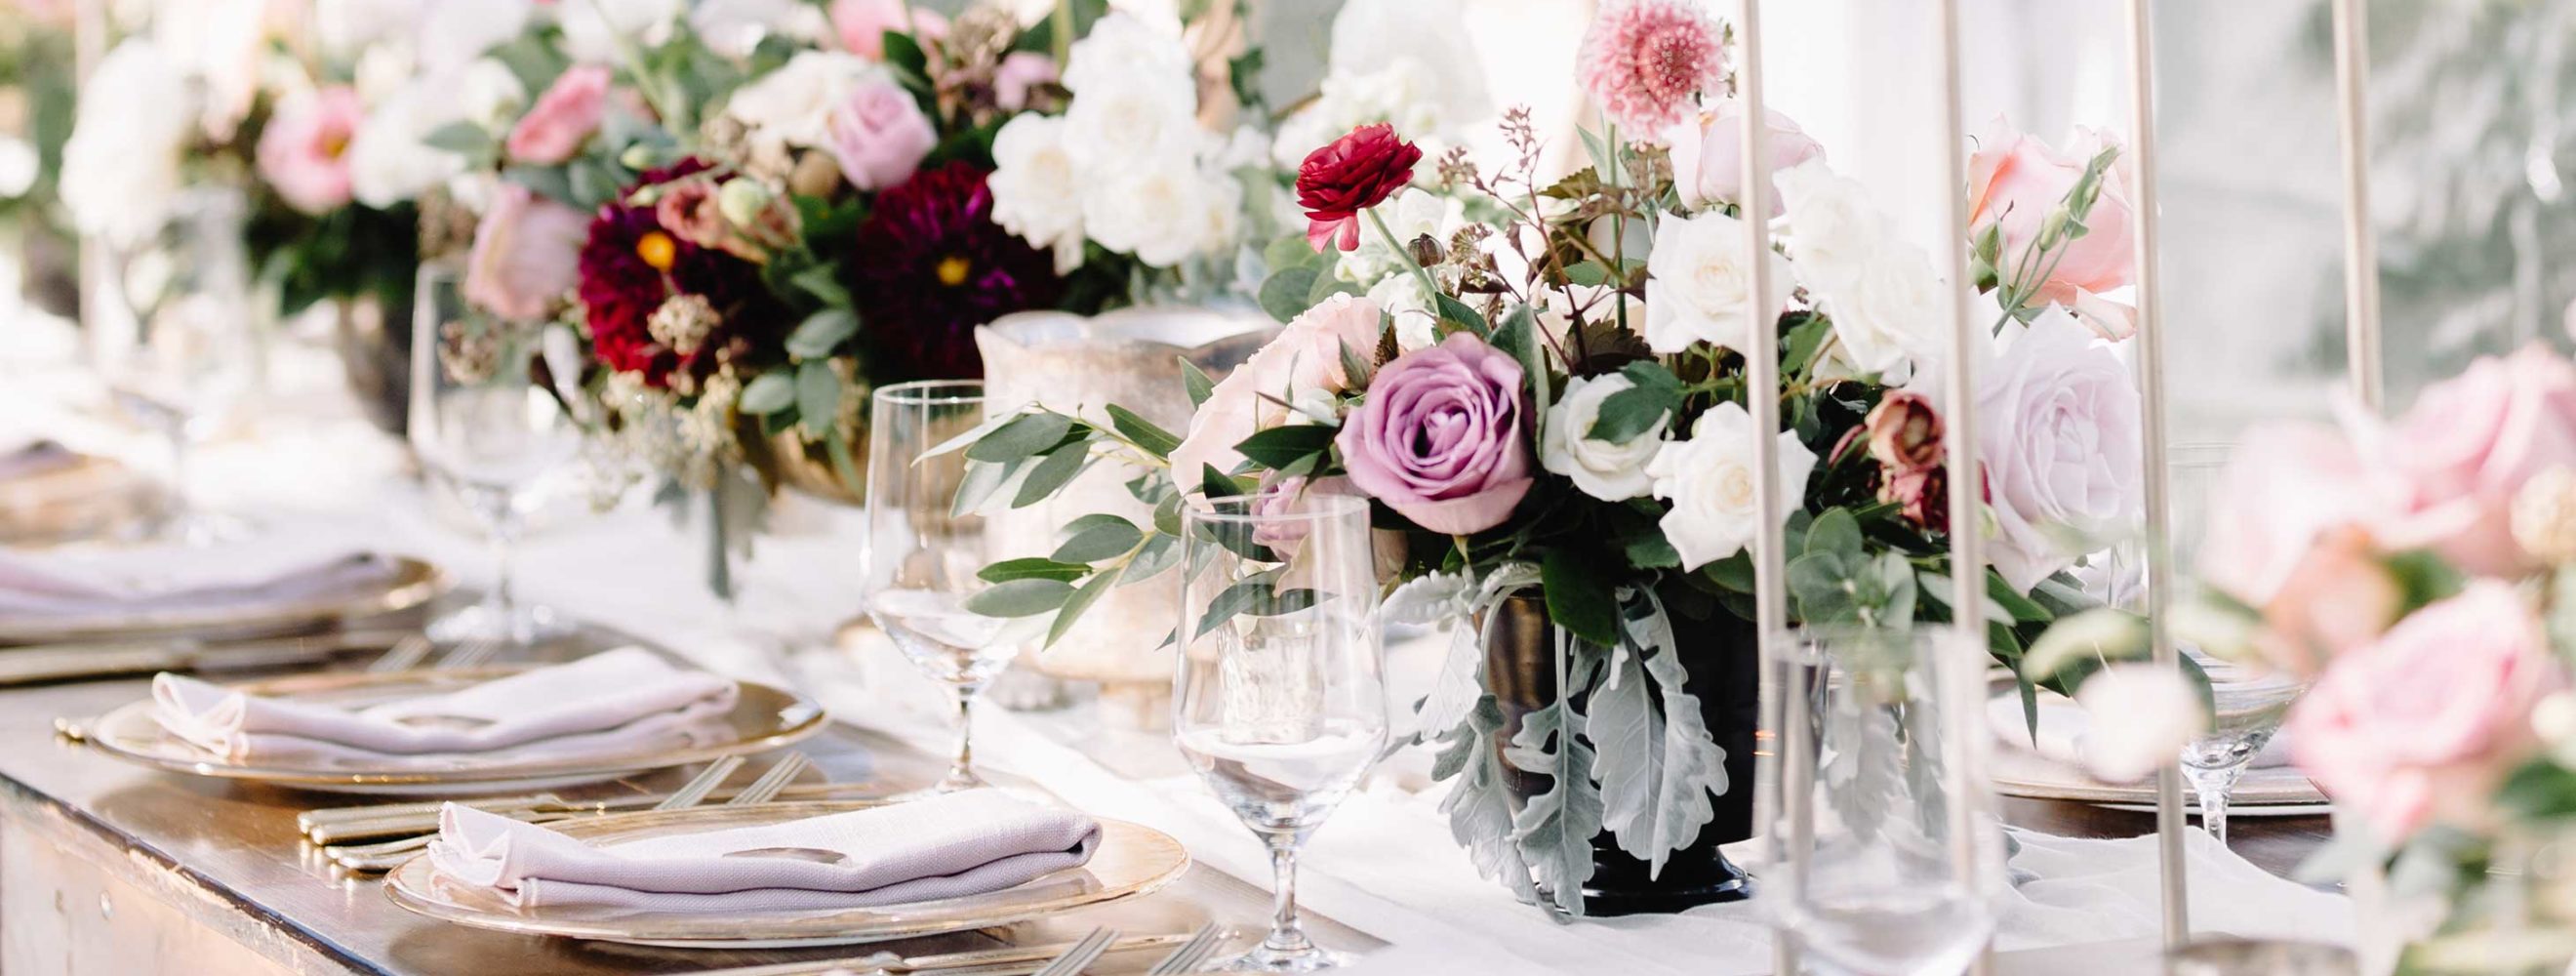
{"x":1480,"y":811}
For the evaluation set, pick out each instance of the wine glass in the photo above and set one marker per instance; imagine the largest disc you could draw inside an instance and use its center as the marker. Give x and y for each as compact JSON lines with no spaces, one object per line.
{"x":2249,"y":700}
{"x":489,"y":434}
{"x":1279,"y":700}
{"x":923,"y":555}
{"x":183,"y":356}
{"x":1894,"y":874}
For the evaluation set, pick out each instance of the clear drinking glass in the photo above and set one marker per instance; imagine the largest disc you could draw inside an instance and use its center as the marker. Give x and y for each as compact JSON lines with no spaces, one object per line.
{"x":1895,"y":874}
{"x":923,"y":555}
{"x":489,"y":433}
{"x":2250,"y":700}
{"x":185,"y":354}
{"x":1279,"y":699}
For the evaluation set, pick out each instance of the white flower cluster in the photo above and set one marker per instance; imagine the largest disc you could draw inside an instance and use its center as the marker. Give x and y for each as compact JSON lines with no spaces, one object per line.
{"x":121,"y":165}
{"x":1404,"y":62}
{"x":1127,"y":164}
{"x":1881,"y":292}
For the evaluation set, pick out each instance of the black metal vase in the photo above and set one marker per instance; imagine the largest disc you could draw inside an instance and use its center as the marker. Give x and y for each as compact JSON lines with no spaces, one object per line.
{"x":1723,"y":671}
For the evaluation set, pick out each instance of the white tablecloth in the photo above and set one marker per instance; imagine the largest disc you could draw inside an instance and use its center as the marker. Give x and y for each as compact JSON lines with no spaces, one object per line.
{"x":1384,"y":864}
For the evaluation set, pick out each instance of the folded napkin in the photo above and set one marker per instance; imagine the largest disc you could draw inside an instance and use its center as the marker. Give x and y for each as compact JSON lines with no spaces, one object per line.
{"x":25,"y":457}
{"x":2063,"y":723}
{"x":625,"y":700}
{"x":947,"y":846}
{"x":85,"y":580}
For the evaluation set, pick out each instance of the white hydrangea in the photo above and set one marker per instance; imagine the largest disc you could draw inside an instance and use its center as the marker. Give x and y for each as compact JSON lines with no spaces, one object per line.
{"x":121,"y":165}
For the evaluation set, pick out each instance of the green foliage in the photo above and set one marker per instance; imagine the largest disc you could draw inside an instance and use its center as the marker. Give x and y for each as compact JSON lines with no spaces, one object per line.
{"x":1655,"y":395}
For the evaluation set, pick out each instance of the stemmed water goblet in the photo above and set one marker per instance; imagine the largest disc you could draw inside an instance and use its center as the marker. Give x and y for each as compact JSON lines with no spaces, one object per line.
{"x":182,"y":354}
{"x":2249,"y":701}
{"x":924,"y":554}
{"x":1279,"y":700}
{"x":1891,"y":873}
{"x":489,"y":434}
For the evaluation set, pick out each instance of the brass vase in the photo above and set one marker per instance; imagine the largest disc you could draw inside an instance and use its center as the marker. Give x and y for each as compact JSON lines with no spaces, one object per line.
{"x":1723,"y":670}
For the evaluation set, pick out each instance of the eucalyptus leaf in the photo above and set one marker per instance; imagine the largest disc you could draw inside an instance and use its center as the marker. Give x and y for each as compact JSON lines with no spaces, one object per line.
{"x":1074,"y":606}
{"x":1156,"y":555}
{"x":1033,"y":567}
{"x":1050,"y":474}
{"x":1152,"y":438}
{"x":1283,"y":294}
{"x":1020,"y":598}
{"x":1835,"y":531}
{"x":1195,"y":381}
{"x":1281,"y":446}
{"x":821,"y":332}
{"x":1098,"y":541}
{"x":767,"y":393}
{"x":1020,"y":437}
{"x":818,"y":396}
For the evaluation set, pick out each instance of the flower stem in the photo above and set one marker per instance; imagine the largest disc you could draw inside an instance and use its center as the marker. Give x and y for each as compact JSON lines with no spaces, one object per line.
{"x":1431,"y":289}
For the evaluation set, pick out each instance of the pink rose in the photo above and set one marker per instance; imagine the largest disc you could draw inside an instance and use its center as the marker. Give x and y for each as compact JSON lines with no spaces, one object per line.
{"x":1440,"y":437}
{"x":2284,"y":536}
{"x":862,"y":24}
{"x":2018,"y":180}
{"x":2420,"y":726}
{"x":303,"y":151}
{"x":1305,"y":357}
{"x":1019,"y":75}
{"x":1708,"y":154}
{"x":563,"y":117}
{"x":879,"y":135}
{"x":526,"y":256}
{"x":2450,"y":466}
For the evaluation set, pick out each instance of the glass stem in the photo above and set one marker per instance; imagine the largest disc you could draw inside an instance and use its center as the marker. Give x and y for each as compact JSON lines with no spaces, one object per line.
{"x":181,"y":508}
{"x":2213,"y":784}
{"x":1286,"y":936}
{"x":961,"y":770}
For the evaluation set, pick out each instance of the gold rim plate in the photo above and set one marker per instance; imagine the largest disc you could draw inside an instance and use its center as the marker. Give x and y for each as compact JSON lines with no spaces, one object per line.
{"x":411,"y":584}
{"x":2264,"y":790}
{"x":1132,"y":860}
{"x":763,"y":718}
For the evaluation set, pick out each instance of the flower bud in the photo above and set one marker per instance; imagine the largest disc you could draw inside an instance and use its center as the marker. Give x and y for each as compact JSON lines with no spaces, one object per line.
{"x":1426,"y":250}
{"x":742,"y":201}
{"x":1904,"y":432}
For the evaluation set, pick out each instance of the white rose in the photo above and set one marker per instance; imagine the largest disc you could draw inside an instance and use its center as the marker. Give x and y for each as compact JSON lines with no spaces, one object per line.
{"x":1834,"y":231}
{"x":1700,"y":287}
{"x":734,"y":27}
{"x":1036,"y":193}
{"x":388,"y":162}
{"x":793,"y":105}
{"x":1408,"y":301}
{"x":1889,"y":315}
{"x":591,"y":28}
{"x":2141,"y":717}
{"x":1709,"y":480}
{"x":1411,"y":214}
{"x":2057,"y":428}
{"x":1122,"y":50}
{"x":455,"y":32}
{"x":1114,"y":125}
{"x":1419,"y":52}
{"x":1610,"y":471}
{"x":489,"y":95}
{"x":345,"y":26}
{"x":1154,"y":209}
{"x":1402,"y":93}
{"x":121,"y":165}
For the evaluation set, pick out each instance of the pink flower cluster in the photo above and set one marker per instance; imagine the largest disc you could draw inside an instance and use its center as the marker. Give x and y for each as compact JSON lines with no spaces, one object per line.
{"x":2414,"y":716}
{"x":1647,"y":61}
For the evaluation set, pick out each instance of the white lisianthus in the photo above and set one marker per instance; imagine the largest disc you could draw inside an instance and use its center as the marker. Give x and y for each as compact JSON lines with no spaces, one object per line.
{"x":121,"y":165}
{"x":2057,"y":427}
{"x":455,"y":32}
{"x":1123,"y":50}
{"x":2141,"y":716}
{"x":793,"y":105}
{"x":1411,"y":214}
{"x":1709,"y":480}
{"x":1699,"y":286}
{"x":1612,"y":471}
{"x":1036,"y":192}
{"x":1407,"y":300}
{"x":489,"y":95}
{"x":1154,"y":209}
{"x":591,"y":29}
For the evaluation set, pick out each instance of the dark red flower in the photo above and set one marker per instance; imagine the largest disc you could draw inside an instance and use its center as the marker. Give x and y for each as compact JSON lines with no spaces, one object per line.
{"x":1923,"y":495}
{"x":1354,"y":173}
{"x":1904,"y":431}
{"x":631,"y":264}
{"x":932,"y":266}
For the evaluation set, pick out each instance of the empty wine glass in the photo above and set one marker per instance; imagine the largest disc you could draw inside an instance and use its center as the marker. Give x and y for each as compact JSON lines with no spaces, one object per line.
{"x":490,"y":434}
{"x":923,"y":555}
{"x":1279,"y":700}
{"x":2249,"y":701}
{"x":183,"y":354}
{"x":1894,"y":873}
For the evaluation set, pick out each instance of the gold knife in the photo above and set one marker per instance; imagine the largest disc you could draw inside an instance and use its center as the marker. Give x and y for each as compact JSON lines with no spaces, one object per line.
{"x":37,"y":663}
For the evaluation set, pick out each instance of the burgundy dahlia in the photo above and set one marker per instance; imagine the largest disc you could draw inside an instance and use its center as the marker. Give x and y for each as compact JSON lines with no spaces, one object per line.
{"x":631,"y":264}
{"x":1353,"y":173}
{"x":932,"y":266}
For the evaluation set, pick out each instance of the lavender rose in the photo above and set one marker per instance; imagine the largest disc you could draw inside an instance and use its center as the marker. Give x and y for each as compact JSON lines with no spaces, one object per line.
{"x":1439,"y":439}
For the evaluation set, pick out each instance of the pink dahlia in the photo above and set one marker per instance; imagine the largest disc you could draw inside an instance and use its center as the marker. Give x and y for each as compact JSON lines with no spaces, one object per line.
{"x":1645,"y":60}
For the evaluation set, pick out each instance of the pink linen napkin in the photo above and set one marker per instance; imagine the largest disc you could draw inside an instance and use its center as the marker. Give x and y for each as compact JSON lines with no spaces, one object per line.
{"x":86,"y":580}
{"x":25,"y":458}
{"x":948,"y":846}
{"x":612,"y":702}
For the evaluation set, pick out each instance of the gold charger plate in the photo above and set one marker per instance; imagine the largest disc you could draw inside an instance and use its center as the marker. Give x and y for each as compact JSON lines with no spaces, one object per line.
{"x":87,"y":496}
{"x":1132,"y":860}
{"x":763,"y":718}
{"x":411,"y":584}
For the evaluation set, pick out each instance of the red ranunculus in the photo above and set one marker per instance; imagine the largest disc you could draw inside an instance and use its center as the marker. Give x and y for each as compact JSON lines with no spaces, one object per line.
{"x":1354,"y":173}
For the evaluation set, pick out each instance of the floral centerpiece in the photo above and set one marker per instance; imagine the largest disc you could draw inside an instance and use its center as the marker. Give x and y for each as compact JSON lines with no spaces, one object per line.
{"x":1540,"y":386}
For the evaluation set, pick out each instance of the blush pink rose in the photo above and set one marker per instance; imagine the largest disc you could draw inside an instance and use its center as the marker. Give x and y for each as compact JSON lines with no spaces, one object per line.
{"x":2018,"y":180}
{"x":1440,"y":438}
{"x":563,"y":118}
{"x":526,"y":256}
{"x":2420,"y":726}
{"x":2285,"y":536}
{"x":1708,"y":153}
{"x":1019,"y":74}
{"x":2450,"y":466}
{"x":879,"y":135}
{"x":862,"y":24}
{"x":1305,"y":357}
{"x":303,"y":152}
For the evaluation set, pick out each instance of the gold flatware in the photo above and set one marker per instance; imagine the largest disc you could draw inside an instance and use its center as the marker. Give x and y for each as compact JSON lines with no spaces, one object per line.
{"x":1083,"y":953}
{"x":39,"y":663}
{"x":1192,"y":954}
{"x":415,"y":818}
{"x":689,"y":795}
{"x":1015,"y":960}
